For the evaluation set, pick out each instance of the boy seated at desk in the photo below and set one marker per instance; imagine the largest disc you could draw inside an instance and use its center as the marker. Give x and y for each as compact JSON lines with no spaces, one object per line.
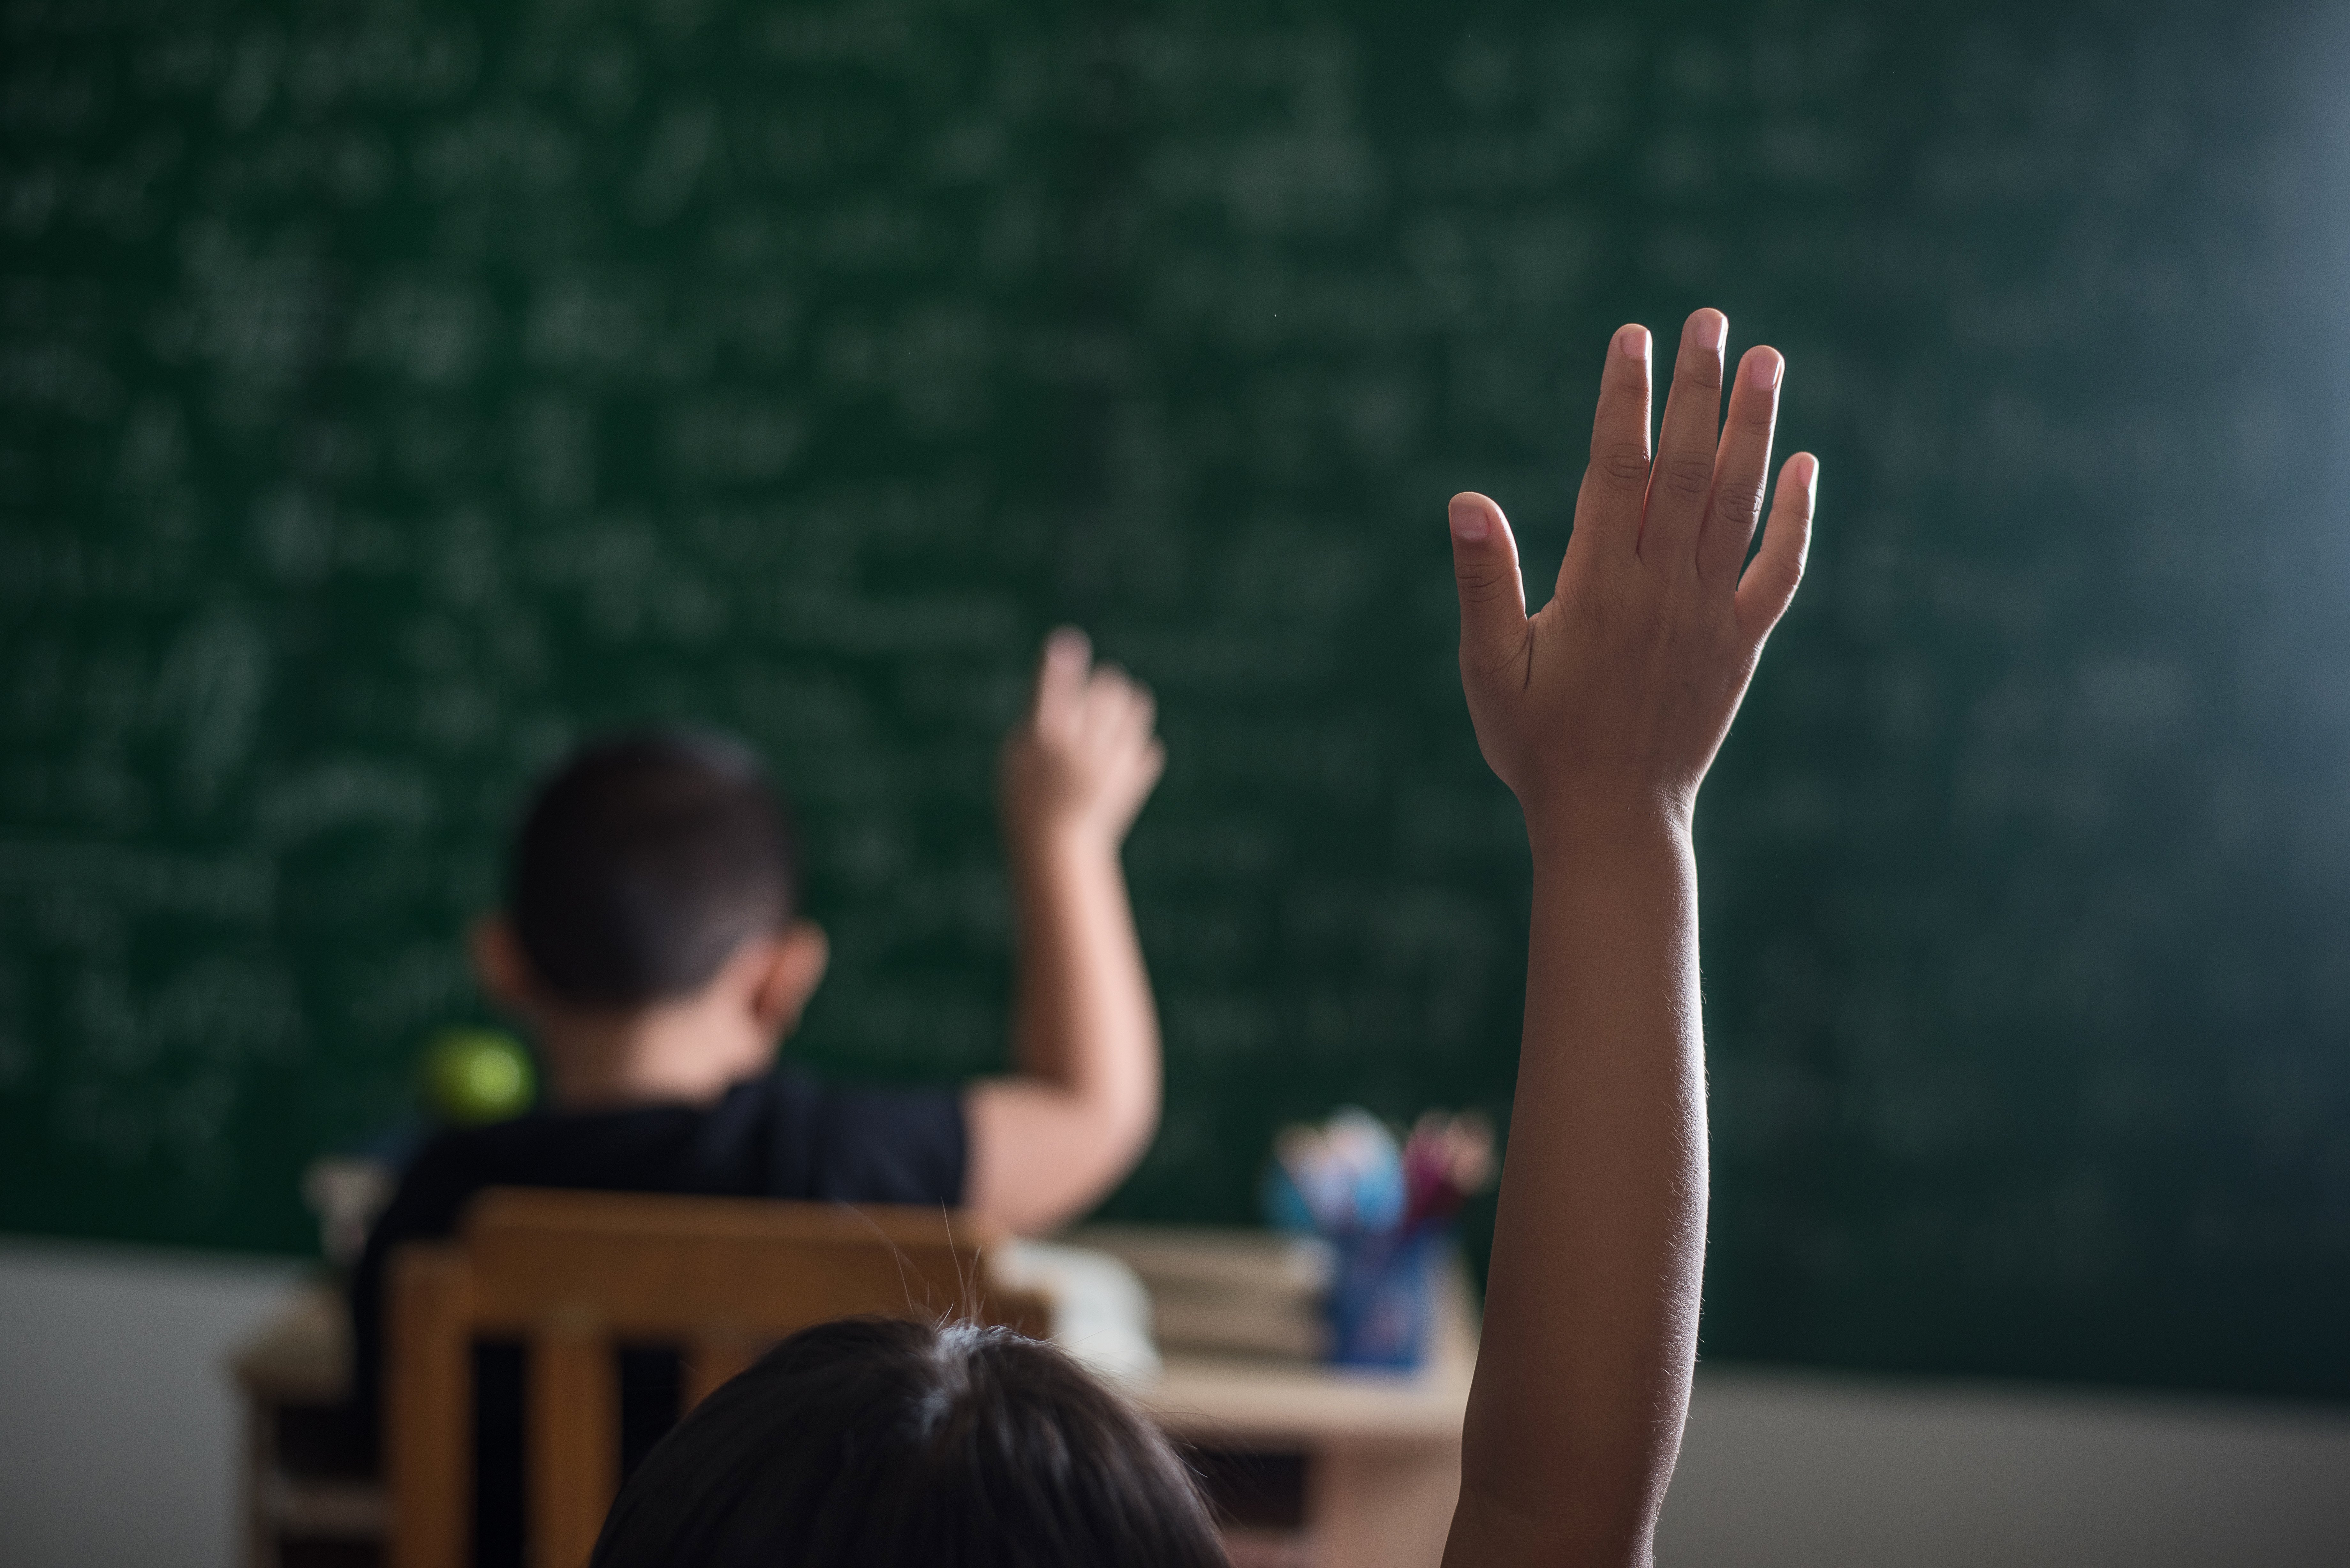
{"x":654,"y":945}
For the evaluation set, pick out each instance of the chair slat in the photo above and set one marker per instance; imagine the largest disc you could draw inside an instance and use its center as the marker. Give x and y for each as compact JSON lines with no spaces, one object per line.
{"x":575,"y":1436}
{"x":430,"y":1409}
{"x":768,"y":1269}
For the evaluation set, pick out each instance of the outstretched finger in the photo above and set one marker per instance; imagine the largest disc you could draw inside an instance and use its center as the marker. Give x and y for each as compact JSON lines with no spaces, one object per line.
{"x":1771,"y":579}
{"x":1607,"y":507}
{"x":1685,"y":439}
{"x":1493,"y":596}
{"x":1741,"y":470}
{"x":1061,"y":676}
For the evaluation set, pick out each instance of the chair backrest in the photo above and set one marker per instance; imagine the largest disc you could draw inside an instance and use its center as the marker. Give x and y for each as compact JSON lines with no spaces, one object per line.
{"x":572,"y":1273}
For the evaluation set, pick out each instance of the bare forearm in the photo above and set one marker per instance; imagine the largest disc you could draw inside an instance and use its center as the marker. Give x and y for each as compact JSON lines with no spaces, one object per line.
{"x":1592,"y":1310}
{"x":1048,"y":1143}
{"x":1082,"y":1018}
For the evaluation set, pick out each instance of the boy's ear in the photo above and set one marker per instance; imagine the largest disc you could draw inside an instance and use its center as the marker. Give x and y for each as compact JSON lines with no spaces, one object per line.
{"x":795,"y":968}
{"x":499,"y":966}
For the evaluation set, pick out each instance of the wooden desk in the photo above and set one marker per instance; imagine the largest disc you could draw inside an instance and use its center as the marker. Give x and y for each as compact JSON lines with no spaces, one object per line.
{"x":307,"y":1503}
{"x":1380,"y":1452}
{"x":1382,"y":1449}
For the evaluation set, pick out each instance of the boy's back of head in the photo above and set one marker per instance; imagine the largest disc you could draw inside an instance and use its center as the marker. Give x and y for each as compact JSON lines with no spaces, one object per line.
{"x":643,"y":863}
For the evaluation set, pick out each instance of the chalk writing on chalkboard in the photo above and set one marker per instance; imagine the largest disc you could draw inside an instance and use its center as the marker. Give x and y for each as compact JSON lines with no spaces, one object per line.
{"x":389,"y":396}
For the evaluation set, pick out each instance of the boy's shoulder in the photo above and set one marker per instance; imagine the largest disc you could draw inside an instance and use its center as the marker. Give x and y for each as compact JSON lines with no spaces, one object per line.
{"x":633,"y":1148}
{"x":784,"y":1134}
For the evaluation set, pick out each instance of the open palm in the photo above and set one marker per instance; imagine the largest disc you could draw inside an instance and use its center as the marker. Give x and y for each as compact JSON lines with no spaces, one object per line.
{"x":1628,"y":677}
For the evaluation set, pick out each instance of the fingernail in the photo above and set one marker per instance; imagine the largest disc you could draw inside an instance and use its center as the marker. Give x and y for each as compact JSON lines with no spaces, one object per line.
{"x":1807,"y":471}
{"x":1633,"y":342}
{"x":1469,"y":525}
{"x":1709,"y":327}
{"x":1765,"y":371}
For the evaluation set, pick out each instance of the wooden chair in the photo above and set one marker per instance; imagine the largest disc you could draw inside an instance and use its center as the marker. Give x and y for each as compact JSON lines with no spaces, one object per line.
{"x":572,"y":1273}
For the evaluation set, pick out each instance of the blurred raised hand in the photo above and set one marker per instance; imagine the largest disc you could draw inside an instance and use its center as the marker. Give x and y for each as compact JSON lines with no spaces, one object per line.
{"x":1084,"y":757}
{"x":1048,"y":1141}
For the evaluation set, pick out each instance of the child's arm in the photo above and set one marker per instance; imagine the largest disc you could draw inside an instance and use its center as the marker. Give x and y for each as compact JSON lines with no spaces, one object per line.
{"x":1603,"y":712}
{"x":1046,"y":1145}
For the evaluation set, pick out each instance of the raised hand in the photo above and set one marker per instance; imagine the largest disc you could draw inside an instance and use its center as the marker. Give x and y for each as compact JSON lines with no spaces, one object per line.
{"x":1627,"y":679}
{"x":1085,"y":758}
{"x":1048,"y":1141}
{"x":1603,"y":712}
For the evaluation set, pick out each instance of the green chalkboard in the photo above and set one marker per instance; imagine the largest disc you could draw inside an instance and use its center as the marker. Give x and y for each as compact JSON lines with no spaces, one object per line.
{"x":391,"y":393}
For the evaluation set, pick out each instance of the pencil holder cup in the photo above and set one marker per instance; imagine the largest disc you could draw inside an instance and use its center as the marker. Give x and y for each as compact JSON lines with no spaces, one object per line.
{"x":1381,"y":1297}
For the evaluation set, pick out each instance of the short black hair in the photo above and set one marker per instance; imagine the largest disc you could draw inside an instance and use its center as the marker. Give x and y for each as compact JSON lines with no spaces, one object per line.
{"x":644,"y":861}
{"x":875,"y":1443}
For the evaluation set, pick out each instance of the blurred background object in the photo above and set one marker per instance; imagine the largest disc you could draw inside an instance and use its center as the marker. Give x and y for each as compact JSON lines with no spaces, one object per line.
{"x":347,"y":1194}
{"x":474,"y":1076}
{"x":1384,"y":1209}
{"x":1209,"y":1293}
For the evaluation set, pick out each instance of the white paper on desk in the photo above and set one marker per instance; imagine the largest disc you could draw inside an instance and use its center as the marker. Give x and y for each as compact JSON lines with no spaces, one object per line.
{"x":1101,"y":1312}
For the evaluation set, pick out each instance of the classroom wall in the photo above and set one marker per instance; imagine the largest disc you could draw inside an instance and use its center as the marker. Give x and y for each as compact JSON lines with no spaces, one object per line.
{"x":109,"y":1374}
{"x":118,"y":1439}
{"x":1788,"y":1469}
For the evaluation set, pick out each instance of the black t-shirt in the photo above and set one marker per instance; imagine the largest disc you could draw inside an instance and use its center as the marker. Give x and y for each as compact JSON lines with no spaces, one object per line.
{"x":780,"y":1136}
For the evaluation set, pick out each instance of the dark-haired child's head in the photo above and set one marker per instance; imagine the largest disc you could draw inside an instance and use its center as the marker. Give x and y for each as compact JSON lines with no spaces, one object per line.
{"x":651,"y":934}
{"x":879,"y":1443}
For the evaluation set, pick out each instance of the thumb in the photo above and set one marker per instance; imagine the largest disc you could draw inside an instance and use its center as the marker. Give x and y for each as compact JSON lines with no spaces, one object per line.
{"x":1492,"y":599}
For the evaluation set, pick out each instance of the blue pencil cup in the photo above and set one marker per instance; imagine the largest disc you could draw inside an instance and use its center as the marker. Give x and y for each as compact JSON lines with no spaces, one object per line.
{"x":1381,"y":1297}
